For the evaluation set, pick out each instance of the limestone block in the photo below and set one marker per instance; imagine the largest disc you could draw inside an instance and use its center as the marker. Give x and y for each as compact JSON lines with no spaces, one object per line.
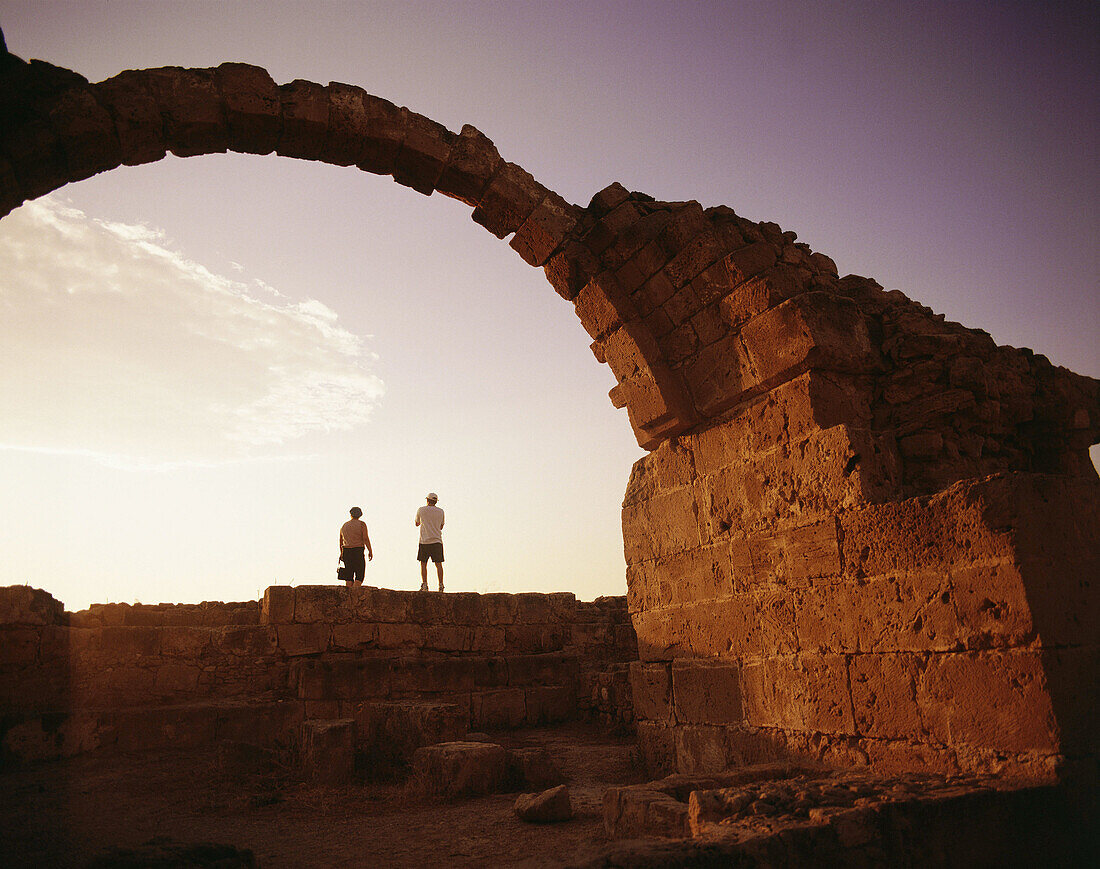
{"x":488,"y":639}
{"x":804,"y":693}
{"x":651,"y":689}
{"x":322,"y":603}
{"x":413,"y":675}
{"x":384,"y":133}
{"x":1067,"y":671}
{"x":124,"y":644}
{"x":467,"y":608}
{"x":369,"y":604}
{"x":462,"y":768}
{"x":354,"y":635}
{"x":182,"y":642}
{"x":504,"y":707}
{"x":706,"y":691}
{"x":176,"y":679}
{"x":327,"y":752}
{"x":423,"y":153}
{"x":719,"y":376}
{"x":758,"y":622}
{"x":993,"y":699}
{"x":545,"y":807}
{"x":884,"y":696}
{"x":687,"y":223}
{"x":749,"y":261}
{"x":86,"y":132}
{"x":343,"y":678}
{"x":346,"y":126}
{"x":702,"y":251}
{"x":682,"y":306}
{"x":701,"y":749}
{"x":278,"y":605}
{"x":529,"y":639}
{"x":611,"y":197}
{"x":769,"y":288}
{"x":500,"y":608}
{"x":430,"y":609}
{"x":662,"y":635}
{"x":570,"y":269}
{"x":252,"y":107}
{"x":305,"y":109}
{"x":544,"y":230}
{"x":535,"y":768}
{"x":307,"y":639}
{"x":36,"y":157}
{"x":23,"y":605}
{"x":19,"y":646}
{"x":508,"y":200}
{"x":246,"y":640}
{"x":399,"y":636}
{"x":662,"y":526}
{"x":471,"y":164}
{"x":192,"y":110}
{"x":545,"y":704}
{"x":389,"y":732}
{"x":136,"y":116}
{"x":601,"y":306}
{"x":448,"y":638}
{"x":546,"y":669}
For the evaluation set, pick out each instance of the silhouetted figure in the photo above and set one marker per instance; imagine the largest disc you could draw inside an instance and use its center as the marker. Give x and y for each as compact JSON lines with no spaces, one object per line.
{"x":429,"y":519}
{"x":353,"y":540}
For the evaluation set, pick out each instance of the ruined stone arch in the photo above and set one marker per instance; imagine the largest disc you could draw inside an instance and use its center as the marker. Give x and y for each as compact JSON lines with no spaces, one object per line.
{"x":844,"y":524}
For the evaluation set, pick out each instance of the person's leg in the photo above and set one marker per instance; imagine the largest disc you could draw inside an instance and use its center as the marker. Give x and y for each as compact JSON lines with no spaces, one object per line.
{"x":424,"y":575}
{"x":439,"y":570}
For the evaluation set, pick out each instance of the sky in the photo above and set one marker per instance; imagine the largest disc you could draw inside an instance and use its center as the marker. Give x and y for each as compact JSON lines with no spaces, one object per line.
{"x":205,"y":362}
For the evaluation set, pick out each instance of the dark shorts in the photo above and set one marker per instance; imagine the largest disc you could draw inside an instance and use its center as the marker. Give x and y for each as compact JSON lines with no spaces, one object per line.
{"x":434,"y":551}
{"x":354,"y":557}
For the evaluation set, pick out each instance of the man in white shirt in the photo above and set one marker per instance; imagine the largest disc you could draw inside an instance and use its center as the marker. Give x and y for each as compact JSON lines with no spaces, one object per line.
{"x":429,"y":519}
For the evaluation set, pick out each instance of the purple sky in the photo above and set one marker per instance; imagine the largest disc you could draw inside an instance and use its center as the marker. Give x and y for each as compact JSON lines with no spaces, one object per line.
{"x":944,"y":149}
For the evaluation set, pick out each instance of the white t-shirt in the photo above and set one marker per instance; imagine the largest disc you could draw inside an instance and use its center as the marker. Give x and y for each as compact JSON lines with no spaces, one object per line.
{"x":431,"y":524}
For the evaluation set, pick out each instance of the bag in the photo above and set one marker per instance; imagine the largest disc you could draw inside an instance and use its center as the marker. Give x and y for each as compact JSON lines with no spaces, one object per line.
{"x":344,"y":574}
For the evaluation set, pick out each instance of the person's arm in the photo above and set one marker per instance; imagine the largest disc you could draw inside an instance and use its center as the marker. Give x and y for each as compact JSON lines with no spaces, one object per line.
{"x":366,"y":536}
{"x":417,"y":522}
{"x":341,"y":541}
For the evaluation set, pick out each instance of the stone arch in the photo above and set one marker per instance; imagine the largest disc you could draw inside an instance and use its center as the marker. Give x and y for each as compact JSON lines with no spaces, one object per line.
{"x":853,"y":513}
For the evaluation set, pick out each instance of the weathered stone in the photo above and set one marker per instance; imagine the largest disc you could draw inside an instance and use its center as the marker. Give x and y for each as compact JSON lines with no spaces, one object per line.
{"x":456,"y":769}
{"x":23,"y":605}
{"x":508,"y":200}
{"x":423,"y":153}
{"x":327,"y":751}
{"x":544,"y":807}
{"x":252,"y":107}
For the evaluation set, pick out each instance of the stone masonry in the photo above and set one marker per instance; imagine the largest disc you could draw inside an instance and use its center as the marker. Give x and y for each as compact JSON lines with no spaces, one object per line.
{"x":409,"y":668}
{"x":862,"y":534}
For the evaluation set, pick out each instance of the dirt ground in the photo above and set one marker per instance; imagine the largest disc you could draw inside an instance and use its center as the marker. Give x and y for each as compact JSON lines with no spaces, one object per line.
{"x":67,"y":813}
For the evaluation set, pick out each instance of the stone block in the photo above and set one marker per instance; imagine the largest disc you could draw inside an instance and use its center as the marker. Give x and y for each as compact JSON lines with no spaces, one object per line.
{"x":544,"y":230}
{"x":989,"y":700}
{"x":305,"y":111}
{"x":651,"y":689}
{"x":423,"y":153}
{"x":488,"y":639}
{"x":706,"y":691}
{"x":355,"y":635}
{"x":662,"y":526}
{"x":176,"y":679}
{"x":749,"y":261}
{"x":807,"y":693}
{"x":252,"y":107}
{"x":701,"y":252}
{"x":327,"y":752}
{"x":495,"y":709}
{"x":508,"y":200}
{"x":389,"y":733}
{"x":308,"y":639}
{"x":448,"y":638}
{"x":545,"y":807}
{"x":570,"y":269}
{"x":397,"y":636}
{"x":719,"y":376}
{"x":346,"y":124}
{"x":136,"y":116}
{"x":430,"y":609}
{"x":526,"y":639}
{"x":183,"y":642}
{"x":385,"y":131}
{"x":369,"y":604}
{"x":191,"y":108}
{"x":471,"y":164}
{"x":23,"y":605}
{"x":86,"y":133}
{"x":19,"y":646}
{"x":246,"y":640}
{"x":546,"y":704}
{"x":884,"y":696}
{"x":321,"y":603}
{"x":701,"y":749}
{"x":546,"y":669}
{"x":343,"y":678}
{"x":462,"y":768}
{"x":278,"y":605}
{"x":602,"y":307}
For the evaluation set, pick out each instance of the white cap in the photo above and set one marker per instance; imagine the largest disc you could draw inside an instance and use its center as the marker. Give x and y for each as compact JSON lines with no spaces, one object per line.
{"x":432,"y":496}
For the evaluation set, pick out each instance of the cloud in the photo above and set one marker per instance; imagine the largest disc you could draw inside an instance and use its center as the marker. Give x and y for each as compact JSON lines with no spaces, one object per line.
{"x":115,"y":345}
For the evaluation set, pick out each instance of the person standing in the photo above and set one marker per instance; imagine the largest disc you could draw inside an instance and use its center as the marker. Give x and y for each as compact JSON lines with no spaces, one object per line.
{"x":429,"y":519}
{"x":353,"y":540}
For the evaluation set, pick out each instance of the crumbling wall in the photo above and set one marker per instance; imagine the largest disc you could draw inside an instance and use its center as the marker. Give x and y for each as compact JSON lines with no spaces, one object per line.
{"x":407,"y":666}
{"x":837,"y":530}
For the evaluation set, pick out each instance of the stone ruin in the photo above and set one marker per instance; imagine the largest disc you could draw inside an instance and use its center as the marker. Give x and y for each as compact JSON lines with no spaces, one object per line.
{"x":863,"y":536}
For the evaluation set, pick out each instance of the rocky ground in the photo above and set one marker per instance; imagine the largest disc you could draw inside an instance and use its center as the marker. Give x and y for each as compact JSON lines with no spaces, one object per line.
{"x":123,"y":810}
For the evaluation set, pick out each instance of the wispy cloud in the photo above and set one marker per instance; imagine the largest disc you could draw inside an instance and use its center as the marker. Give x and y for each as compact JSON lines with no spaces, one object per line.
{"x":115,"y":345}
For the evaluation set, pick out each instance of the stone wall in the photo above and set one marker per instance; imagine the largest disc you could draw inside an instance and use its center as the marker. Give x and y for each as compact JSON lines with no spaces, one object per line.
{"x":852,"y":512}
{"x":400,"y":663}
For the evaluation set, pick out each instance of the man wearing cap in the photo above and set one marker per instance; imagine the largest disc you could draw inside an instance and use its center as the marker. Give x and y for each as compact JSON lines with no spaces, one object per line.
{"x":429,"y":519}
